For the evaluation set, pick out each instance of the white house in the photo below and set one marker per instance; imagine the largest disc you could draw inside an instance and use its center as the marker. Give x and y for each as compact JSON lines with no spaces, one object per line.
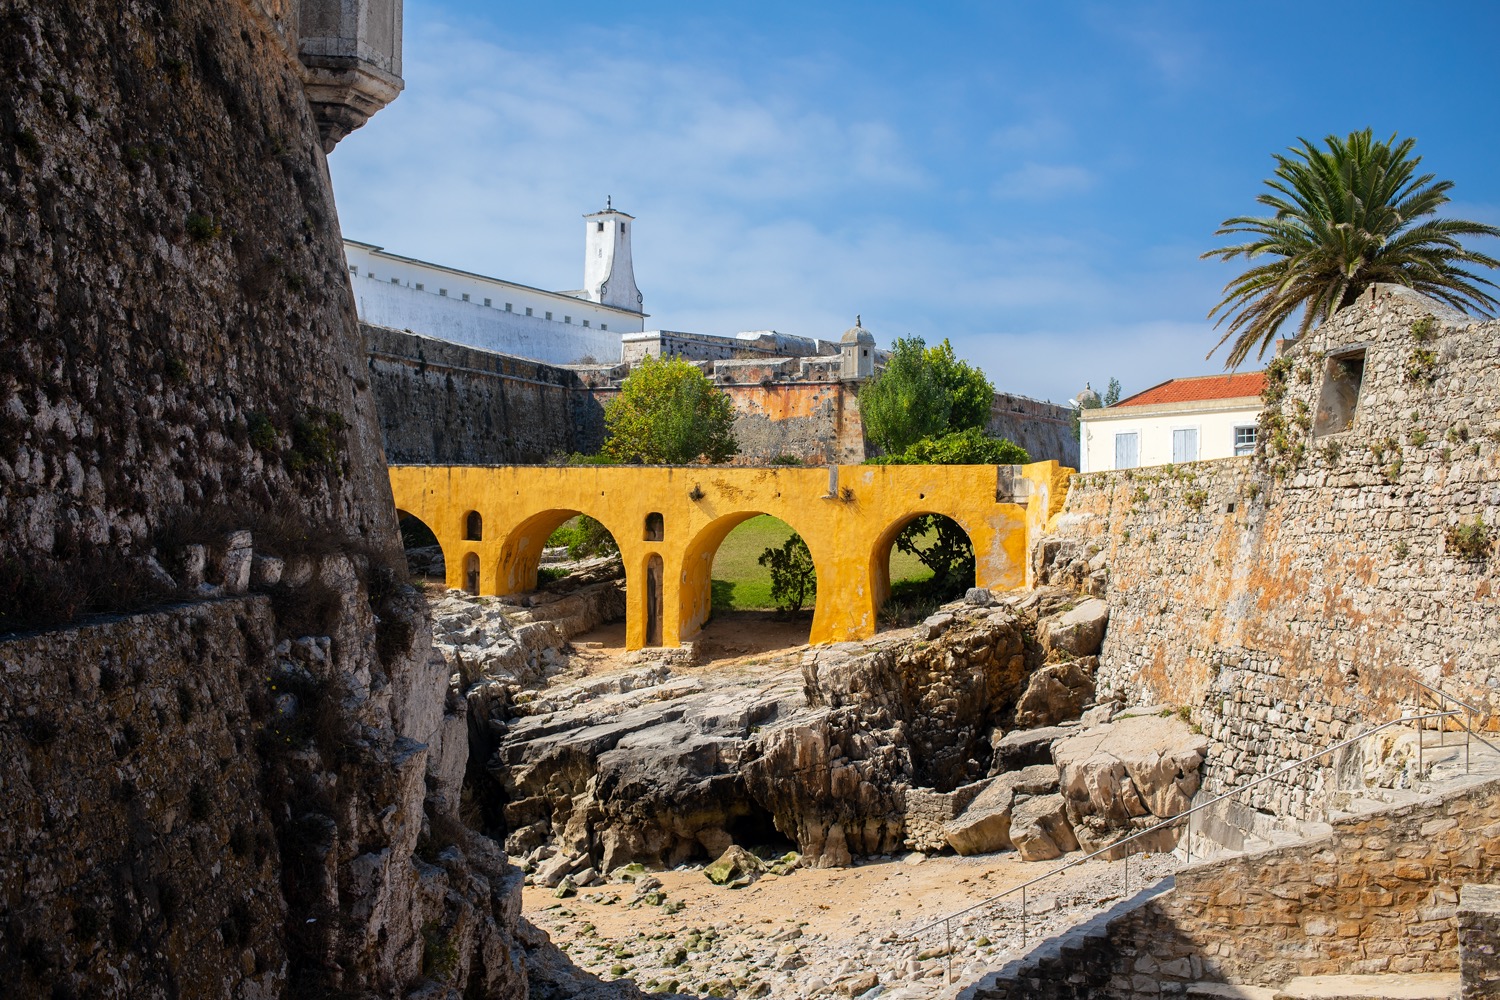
{"x":1181,"y":420}
{"x":503,"y":316}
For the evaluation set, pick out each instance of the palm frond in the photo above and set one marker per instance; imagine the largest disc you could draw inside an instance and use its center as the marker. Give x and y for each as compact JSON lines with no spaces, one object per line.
{"x":1347,"y":214}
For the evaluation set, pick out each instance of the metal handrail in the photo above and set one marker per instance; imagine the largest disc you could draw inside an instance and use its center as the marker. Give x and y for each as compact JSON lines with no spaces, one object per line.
{"x":1469,"y":720}
{"x":947,"y":922}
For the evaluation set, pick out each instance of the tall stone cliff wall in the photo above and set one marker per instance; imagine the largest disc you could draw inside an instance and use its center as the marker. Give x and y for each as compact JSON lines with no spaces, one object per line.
{"x":1291,"y":597}
{"x":223,"y":794}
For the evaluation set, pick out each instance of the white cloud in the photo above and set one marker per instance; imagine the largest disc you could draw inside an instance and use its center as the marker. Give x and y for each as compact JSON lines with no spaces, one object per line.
{"x":757,"y":207}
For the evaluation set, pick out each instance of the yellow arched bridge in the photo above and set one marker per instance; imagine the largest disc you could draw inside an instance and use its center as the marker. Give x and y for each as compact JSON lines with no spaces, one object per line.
{"x":492,"y":522}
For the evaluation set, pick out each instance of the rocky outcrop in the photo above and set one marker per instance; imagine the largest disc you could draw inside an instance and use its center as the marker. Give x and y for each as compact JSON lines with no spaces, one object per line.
{"x":1057,"y":693}
{"x":1041,"y":830}
{"x":1077,"y":632}
{"x":985,"y":826}
{"x":946,"y":691}
{"x":1127,"y":775}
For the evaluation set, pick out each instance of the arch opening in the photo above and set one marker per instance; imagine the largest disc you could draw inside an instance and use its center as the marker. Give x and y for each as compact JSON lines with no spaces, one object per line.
{"x":921,"y":561}
{"x":425,"y":560}
{"x":552,"y":545}
{"x":749,"y":586}
{"x":473,"y":527}
{"x":471,"y":573}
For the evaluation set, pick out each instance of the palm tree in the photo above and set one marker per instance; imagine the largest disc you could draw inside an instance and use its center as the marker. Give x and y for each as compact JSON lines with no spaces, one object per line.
{"x":1346,"y":218}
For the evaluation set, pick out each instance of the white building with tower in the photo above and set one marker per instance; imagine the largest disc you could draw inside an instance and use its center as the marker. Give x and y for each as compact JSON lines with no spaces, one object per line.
{"x":507,"y":317}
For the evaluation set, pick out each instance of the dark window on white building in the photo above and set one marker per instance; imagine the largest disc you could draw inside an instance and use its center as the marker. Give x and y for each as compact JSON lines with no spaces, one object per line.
{"x":1244,"y":439}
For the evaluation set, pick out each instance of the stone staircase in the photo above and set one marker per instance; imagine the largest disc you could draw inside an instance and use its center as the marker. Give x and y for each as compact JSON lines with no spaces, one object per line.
{"x":1154,"y":944}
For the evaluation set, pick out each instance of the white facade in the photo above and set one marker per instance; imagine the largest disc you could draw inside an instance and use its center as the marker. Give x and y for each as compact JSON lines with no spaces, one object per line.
{"x":1121,"y":437}
{"x":503,"y":316}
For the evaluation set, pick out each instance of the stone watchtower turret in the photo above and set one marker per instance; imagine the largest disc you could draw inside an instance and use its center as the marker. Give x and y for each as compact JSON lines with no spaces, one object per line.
{"x":857,"y":348}
{"x":608,"y":275}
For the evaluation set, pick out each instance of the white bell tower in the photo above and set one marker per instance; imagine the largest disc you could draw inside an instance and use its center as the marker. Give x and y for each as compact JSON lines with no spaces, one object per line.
{"x":608,"y":275}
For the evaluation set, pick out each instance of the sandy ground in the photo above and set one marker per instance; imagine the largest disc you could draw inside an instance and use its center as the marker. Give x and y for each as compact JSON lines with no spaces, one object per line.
{"x":825,"y":932}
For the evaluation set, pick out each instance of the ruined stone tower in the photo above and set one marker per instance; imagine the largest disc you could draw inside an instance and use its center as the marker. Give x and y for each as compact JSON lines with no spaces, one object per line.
{"x":608,"y":275}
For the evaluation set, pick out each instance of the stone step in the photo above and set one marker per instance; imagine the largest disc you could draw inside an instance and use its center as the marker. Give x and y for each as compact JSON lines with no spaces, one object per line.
{"x":1415,"y":986}
{"x":1230,"y":991}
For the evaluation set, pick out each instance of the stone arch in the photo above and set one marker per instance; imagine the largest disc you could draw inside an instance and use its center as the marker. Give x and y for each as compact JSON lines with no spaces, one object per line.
{"x":695,"y":586}
{"x":406,"y":519}
{"x":879,"y":557}
{"x":521,"y":548}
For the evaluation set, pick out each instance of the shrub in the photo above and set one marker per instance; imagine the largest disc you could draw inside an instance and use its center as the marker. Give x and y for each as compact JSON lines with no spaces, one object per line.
{"x":794,"y":580}
{"x":202,"y":228}
{"x":1472,"y":541}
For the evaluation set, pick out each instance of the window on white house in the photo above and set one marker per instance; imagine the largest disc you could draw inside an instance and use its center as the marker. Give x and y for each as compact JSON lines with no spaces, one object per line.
{"x":466,"y":296}
{"x":488,"y":302}
{"x":419,"y":286}
{"x":528,"y":310}
{"x":604,"y":326}
{"x":585,"y":322}
{"x":394,"y":281}
{"x":601,"y":227}
{"x":549,"y":315}
{"x":567,"y":319}
{"x":507,"y":307}
{"x":1244,"y":439}
{"x":353,"y":270}
{"x":442,"y":291}
{"x":1127,"y":450}
{"x":1185,"y":444}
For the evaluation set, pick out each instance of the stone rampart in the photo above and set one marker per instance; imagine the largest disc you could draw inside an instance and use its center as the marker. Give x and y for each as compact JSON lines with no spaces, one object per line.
{"x":447,"y":403}
{"x":1378,"y":895}
{"x":1290,"y":598}
{"x":1043,"y":429}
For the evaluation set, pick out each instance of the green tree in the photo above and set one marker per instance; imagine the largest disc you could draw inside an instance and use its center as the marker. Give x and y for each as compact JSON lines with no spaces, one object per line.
{"x":794,"y":580}
{"x":1112,"y":393}
{"x":923,"y":392}
{"x":1345,"y":218}
{"x":669,"y":413}
{"x":971,"y":397}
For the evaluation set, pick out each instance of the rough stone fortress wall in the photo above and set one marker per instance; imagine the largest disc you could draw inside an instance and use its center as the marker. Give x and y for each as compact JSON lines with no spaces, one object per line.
{"x":180,"y":361}
{"x":446,"y":403}
{"x":1292,"y":598}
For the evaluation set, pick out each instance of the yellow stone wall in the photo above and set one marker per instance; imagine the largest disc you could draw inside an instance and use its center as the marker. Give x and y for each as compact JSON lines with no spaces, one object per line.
{"x":849,"y":516}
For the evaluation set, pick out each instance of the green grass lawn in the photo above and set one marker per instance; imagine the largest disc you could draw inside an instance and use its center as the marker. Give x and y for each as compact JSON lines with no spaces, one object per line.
{"x":740,"y":583}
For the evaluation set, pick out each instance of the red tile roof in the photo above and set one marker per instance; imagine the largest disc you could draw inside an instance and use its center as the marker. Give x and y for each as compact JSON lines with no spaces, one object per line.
{"x":1200,"y":388}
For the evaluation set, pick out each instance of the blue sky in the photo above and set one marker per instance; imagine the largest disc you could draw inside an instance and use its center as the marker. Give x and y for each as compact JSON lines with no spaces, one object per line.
{"x":1033,"y":181}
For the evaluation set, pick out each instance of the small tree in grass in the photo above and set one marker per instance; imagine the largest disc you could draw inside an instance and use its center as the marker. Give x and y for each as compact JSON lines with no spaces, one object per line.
{"x":794,"y":580}
{"x":669,"y":413}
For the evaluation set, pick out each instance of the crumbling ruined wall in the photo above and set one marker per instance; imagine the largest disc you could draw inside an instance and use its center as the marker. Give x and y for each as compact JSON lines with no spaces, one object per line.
{"x":1289,"y":598}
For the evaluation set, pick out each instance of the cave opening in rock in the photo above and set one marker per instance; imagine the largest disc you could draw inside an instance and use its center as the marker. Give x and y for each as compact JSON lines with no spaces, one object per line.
{"x":920,"y":562}
{"x":755,"y":830}
{"x":762,"y":587}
